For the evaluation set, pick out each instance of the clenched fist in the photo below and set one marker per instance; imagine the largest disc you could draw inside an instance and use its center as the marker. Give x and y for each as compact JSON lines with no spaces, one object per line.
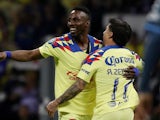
{"x":2,"y":56}
{"x":52,"y":108}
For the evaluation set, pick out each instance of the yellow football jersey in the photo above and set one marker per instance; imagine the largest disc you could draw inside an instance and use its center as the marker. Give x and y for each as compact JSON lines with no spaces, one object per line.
{"x":106,"y":66}
{"x":68,"y":58}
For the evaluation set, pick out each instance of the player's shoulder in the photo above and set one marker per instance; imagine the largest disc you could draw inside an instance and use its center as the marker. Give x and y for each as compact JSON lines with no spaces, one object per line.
{"x":93,"y":57}
{"x":134,"y":54}
{"x":96,"y":40}
{"x":64,"y":37}
{"x":130,"y":51}
{"x":97,"y":53}
{"x":100,"y":51}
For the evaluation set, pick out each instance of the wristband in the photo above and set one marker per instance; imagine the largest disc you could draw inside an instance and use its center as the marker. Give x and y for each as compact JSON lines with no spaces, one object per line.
{"x":136,"y":71}
{"x":8,"y":54}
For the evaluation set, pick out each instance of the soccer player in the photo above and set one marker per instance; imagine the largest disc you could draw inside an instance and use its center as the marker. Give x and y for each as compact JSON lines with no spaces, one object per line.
{"x":116,"y":97}
{"x":68,"y":50}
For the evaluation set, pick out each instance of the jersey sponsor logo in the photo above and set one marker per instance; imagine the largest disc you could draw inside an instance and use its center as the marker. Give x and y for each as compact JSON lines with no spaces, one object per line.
{"x":113,"y":61}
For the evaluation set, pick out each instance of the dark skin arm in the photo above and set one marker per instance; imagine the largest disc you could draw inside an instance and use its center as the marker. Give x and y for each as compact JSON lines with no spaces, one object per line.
{"x":22,"y":55}
{"x":71,"y":92}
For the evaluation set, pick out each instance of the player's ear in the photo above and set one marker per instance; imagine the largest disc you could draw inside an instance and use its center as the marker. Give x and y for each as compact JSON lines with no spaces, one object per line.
{"x":88,"y":23}
{"x":110,"y":34}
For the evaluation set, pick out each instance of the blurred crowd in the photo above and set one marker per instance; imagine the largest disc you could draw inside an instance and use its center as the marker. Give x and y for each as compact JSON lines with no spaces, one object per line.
{"x":27,"y":24}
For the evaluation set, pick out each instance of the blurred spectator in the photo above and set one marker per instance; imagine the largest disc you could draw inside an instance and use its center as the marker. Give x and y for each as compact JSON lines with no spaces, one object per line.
{"x":30,"y":96}
{"x":9,"y":106}
{"x":51,"y":20}
{"x":151,"y":58}
{"x":10,"y":7}
{"x":136,"y":44}
{"x":25,"y":31}
{"x":21,"y":94}
{"x":68,"y":4}
{"x":4,"y":32}
{"x":96,"y":21}
{"x":23,"y":113}
{"x":3,"y":73}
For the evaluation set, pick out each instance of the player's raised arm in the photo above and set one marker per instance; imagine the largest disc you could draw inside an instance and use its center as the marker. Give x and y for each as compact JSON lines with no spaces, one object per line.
{"x":21,"y":55}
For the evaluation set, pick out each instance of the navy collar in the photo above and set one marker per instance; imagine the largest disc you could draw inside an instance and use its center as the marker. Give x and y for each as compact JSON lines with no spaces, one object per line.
{"x":113,"y":46}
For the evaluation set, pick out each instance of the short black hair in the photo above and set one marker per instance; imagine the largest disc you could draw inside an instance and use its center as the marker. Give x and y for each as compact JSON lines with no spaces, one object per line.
{"x":121,"y":31}
{"x":83,"y":9}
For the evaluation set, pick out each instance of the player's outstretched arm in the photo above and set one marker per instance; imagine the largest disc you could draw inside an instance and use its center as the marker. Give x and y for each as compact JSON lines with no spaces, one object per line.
{"x":71,"y":92}
{"x":21,"y":55}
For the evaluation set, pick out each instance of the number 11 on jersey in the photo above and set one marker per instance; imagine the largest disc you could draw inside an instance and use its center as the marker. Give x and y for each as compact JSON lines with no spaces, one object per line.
{"x":125,"y":88}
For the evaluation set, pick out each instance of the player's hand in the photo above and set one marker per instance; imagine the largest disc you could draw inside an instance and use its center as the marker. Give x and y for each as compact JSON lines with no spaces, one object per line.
{"x":129,"y":73}
{"x":52,"y":108}
{"x":2,"y":56}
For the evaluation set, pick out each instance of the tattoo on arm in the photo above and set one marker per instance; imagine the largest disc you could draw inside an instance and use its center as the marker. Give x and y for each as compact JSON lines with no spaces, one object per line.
{"x":71,"y":92}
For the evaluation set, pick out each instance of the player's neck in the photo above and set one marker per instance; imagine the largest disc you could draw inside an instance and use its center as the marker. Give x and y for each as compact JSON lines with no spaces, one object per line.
{"x":82,"y":42}
{"x":109,"y":43}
